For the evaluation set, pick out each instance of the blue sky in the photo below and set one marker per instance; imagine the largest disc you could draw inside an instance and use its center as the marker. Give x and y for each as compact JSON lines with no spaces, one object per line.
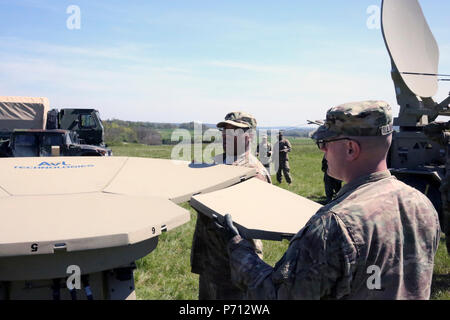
{"x":178,"y":61}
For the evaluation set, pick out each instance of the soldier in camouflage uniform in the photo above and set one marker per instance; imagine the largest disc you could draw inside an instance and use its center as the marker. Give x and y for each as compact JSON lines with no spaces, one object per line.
{"x":332,"y":185}
{"x":376,"y":240}
{"x":283,"y":147}
{"x":264,"y":152}
{"x":209,"y":256}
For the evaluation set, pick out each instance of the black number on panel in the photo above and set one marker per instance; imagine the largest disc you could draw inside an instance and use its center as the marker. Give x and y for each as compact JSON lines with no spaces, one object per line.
{"x":34,"y":247}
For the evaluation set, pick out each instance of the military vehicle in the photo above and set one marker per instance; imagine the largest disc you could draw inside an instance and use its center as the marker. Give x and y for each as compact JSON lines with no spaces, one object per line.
{"x":111,"y":214}
{"x":85,"y":122}
{"x":416,"y":158}
{"x":46,"y":143}
{"x":35,"y":113}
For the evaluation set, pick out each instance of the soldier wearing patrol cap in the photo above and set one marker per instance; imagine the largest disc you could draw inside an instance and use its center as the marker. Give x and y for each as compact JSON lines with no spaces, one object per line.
{"x":283,"y":147}
{"x":209,"y":256}
{"x":264,"y":152}
{"x":376,"y":240}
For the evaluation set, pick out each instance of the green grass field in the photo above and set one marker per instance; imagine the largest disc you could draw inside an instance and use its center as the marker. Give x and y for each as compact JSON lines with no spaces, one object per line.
{"x":165,"y":273}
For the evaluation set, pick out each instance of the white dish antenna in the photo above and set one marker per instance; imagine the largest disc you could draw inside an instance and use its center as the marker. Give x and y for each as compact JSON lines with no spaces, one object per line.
{"x":411,"y":45}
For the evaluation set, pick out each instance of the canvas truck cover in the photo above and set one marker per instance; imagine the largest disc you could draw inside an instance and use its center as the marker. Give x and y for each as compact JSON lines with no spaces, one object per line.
{"x":23,"y":113}
{"x":270,"y":213}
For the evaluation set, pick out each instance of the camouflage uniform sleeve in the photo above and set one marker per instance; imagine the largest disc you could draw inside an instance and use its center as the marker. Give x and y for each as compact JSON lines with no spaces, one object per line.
{"x":319,"y":263}
{"x":288,"y":145}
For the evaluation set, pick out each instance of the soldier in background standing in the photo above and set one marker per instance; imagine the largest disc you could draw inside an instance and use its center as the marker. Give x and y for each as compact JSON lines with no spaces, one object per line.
{"x":376,"y":240}
{"x":264,"y":152}
{"x":283,"y":147}
{"x":332,"y":185}
{"x":209,"y":256}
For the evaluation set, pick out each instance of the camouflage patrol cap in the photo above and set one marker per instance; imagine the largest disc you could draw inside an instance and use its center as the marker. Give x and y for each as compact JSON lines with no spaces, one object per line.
{"x":364,"y":118}
{"x":239,"y":119}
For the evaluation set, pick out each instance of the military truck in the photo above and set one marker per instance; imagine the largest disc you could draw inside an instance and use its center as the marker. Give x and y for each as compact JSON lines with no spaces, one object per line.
{"x":418,"y":155}
{"x":35,"y":113}
{"x":46,"y":143}
{"x":85,"y":122}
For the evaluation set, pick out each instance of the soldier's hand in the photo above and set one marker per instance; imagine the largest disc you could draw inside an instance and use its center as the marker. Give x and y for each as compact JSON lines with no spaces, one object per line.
{"x":228,"y":227}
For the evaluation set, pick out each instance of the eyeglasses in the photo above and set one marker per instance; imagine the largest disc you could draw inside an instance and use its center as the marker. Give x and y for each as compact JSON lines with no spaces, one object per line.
{"x":321,"y":144}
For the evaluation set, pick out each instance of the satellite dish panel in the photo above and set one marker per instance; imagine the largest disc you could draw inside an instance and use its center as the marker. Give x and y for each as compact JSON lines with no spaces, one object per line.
{"x":411,"y":45}
{"x":96,"y":212}
{"x":51,"y":266}
{"x":57,"y":175}
{"x":169,"y":179}
{"x":82,"y":222}
{"x":3,"y":193}
{"x":174,"y":180}
{"x":96,"y":231}
{"x":272,"y":213}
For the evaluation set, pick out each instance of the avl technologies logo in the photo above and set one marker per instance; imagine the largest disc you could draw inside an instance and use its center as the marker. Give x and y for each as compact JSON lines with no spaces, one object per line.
{"x":54,"y":165}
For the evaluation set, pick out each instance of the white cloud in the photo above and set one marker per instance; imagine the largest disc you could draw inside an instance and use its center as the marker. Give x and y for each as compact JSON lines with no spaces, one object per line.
{"x":151,"y":91}
{"x":37,"y":4}
{"x":249,"y":67}
{"x":124,"y":51}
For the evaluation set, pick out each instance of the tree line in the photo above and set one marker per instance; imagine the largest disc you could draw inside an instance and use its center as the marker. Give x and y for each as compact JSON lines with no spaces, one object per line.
{"x":150,"y":133}
{"x":153,"y":133}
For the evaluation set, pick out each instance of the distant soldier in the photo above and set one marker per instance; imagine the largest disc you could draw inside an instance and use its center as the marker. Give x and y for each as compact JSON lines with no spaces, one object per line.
{"x":332,"y":185}
{"x":264,"y":152}
{"x":209,"y":256}
{"x":376,"y":240}
{"x":283,"y":147}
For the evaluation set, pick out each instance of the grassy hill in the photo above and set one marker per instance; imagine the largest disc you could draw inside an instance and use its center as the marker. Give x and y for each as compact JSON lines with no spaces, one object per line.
{"x":165,"y":273}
